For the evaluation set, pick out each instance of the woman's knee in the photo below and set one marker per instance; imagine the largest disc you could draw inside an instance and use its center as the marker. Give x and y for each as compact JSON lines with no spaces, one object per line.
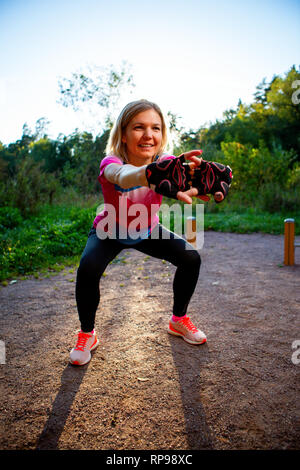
{"x":88,"y":266}
{"x":192,"y":259}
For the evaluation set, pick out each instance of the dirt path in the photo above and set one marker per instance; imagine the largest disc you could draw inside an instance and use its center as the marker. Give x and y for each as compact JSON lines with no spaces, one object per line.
{"x":145,"y":389}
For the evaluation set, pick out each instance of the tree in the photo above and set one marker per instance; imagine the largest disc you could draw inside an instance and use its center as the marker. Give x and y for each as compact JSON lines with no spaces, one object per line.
{"x":100,"y":86}
{"x":41,"y":128}
{"x":279,"y":96}
{"x":273,"y":117}
{"x":261,"y":94}
{"x":277,"y":116}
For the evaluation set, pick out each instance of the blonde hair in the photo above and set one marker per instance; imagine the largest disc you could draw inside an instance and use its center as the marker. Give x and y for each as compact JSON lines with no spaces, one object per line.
{"x":115,"y":146}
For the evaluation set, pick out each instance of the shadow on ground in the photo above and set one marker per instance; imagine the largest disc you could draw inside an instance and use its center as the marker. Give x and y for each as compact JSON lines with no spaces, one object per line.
{"x":188,"y":362}
{"x":71,"y":380}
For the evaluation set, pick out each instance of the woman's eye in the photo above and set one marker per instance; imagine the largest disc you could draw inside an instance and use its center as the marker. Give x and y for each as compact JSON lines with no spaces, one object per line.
{"x":155,"y":128}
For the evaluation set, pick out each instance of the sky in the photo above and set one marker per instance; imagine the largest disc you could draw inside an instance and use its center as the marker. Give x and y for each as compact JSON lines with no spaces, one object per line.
{"x":194,"y":58}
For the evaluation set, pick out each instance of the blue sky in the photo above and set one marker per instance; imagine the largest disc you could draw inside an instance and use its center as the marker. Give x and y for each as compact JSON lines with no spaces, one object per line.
{"x":194,"y":58}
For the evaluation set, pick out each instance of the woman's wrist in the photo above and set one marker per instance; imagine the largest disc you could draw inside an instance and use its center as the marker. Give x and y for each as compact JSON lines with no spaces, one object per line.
{"x":142,"y":176}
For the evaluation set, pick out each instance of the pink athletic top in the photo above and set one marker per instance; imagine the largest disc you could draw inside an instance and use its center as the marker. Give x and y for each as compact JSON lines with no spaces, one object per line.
{"x":134,"y":208}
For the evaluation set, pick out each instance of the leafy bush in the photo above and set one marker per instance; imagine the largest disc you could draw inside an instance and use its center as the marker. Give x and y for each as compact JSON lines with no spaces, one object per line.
{"x":55,"y":235}
{"x":261,"y":176}
{"x":10,"y":217}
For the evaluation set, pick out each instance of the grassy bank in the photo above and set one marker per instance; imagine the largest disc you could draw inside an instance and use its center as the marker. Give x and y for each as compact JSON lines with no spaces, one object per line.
{"x":56,"y":236}
{"x":247,"y":222}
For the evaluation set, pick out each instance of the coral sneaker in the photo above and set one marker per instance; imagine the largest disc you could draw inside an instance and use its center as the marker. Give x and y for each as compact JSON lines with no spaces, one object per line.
{"x":187,"y":331}
{"x":81,"y":353}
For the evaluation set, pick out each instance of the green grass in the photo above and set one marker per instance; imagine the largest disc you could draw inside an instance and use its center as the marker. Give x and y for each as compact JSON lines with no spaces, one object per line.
{"x":55,"y":237}
{"x":244,"y":220}
{"x":48,"y":241}
{"x":248,"y":222}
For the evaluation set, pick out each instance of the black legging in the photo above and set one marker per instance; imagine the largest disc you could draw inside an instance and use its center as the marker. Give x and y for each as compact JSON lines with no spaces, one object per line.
{"x":99,"y":253}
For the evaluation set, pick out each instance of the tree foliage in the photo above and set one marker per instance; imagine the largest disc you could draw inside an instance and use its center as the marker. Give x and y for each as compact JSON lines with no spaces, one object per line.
{"x":273,"y":116}
{"x":261,"y":142}
{"x":100,"y":86}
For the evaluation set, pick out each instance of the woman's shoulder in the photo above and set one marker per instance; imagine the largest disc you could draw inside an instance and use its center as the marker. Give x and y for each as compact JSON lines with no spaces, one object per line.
{"x":107,"y":161}
{"x":110,"y":159}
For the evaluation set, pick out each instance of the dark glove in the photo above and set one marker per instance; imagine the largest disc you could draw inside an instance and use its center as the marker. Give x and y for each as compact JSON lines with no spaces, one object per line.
{"x":169,"y":176}
{"x":211,"y":177}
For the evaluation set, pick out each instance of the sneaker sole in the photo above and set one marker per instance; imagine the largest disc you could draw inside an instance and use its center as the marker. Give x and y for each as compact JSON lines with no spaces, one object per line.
{"x":76,"y":363}
{"x":190,"y":341}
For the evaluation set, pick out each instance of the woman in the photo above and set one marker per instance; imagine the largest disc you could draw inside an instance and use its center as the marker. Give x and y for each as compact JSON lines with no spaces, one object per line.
{"x":136,"y":143}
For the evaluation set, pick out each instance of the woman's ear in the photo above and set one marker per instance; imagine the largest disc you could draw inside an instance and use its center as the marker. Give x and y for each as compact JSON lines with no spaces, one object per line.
{"x":124,"y":138}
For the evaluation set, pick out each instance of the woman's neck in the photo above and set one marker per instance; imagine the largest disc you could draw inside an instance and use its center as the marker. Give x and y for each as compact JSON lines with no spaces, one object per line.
{"x":139,"y":162}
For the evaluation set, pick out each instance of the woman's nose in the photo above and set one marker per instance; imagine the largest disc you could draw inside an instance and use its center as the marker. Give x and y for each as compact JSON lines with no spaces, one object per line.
{"x":147,"y":133}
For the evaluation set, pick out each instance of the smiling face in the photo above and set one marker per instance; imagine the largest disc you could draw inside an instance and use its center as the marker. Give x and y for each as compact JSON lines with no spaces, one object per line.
{"x":143,"y":137}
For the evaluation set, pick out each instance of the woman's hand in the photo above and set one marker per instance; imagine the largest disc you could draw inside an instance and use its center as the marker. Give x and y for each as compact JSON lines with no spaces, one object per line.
{"x":175,"y":179}
{"x":186,"y":196}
